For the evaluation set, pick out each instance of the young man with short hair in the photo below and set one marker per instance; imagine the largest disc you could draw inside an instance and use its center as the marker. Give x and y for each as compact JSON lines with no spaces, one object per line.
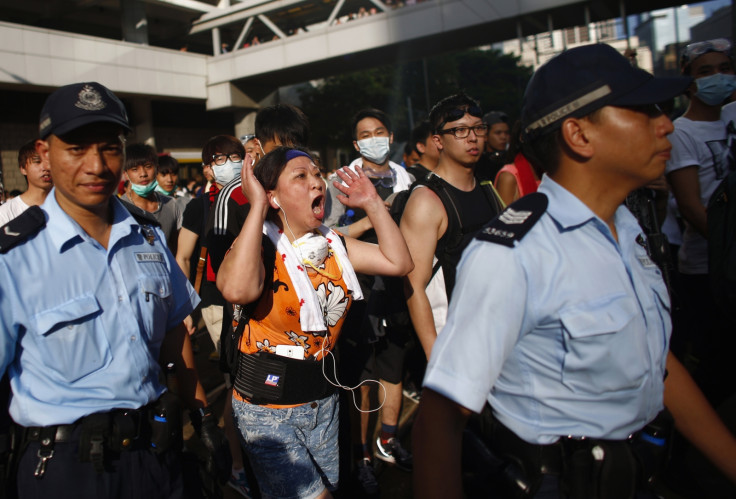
{"x":459,"y":134}
{"x":38,"y":176}
{"x":364,"y":354}
{"x":141,"y":168}
{"x":495,"y":154}
{"x":429,"y":155}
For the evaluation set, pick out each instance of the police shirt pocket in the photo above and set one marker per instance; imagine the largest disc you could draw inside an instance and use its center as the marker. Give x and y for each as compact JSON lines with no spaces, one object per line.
{"x":603,"y":350}
{"x":154,"y":298}
{"x":71,"y":339}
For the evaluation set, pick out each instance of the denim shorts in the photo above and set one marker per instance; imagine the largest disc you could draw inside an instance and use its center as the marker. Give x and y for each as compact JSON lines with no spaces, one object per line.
{"x":293,"y":452}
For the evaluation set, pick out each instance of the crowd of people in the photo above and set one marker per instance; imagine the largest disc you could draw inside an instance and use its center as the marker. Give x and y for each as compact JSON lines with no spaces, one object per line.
{"x":520,"y":264}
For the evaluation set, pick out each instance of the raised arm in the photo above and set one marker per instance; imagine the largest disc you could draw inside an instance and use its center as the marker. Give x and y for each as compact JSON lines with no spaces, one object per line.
{"x":391,"y":256}
{"x":241,"y":274}
{"x":422,"y":224}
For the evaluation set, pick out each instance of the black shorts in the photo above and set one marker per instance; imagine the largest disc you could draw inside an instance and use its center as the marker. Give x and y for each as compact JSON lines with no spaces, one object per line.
{"x":387,"y":360}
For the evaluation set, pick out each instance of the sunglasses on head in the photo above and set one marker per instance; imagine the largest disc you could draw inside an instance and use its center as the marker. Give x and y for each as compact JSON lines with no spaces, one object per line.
{"x":459,"y":112}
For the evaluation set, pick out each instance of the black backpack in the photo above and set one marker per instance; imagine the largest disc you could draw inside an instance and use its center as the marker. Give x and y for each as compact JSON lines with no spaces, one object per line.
{"x":722,"y":244}
{"x":389,"y":304}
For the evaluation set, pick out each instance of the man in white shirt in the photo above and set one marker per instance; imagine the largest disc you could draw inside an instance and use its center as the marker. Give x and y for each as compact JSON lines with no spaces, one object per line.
{"x":37,"y":174}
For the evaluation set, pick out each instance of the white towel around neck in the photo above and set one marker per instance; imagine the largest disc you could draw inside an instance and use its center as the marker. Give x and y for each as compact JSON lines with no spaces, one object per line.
{"x":311,"y":315}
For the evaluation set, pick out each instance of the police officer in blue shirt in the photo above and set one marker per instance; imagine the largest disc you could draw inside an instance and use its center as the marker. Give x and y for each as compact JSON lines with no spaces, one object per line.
{"x":91,"y":308}
{"x":559,"y":325}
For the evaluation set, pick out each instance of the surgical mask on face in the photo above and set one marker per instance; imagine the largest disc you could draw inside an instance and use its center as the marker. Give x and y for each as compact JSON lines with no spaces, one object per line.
{"x":374,"y":149}
{"x":226,"y":172}
{"x":714,"y":89}
{"x":143,"y":190}
{"x":162,"y":191}
{"x":313,"y":249}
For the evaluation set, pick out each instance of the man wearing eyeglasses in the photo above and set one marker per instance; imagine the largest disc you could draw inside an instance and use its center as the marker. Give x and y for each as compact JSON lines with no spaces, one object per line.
{"x":700,"y":161}
{"x":459,"y":134}
{"x":558,"y":330}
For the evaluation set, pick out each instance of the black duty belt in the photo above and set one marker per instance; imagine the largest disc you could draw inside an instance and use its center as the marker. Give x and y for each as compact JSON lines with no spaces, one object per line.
{"x":117,"y":430}
{"x":264,"y":378}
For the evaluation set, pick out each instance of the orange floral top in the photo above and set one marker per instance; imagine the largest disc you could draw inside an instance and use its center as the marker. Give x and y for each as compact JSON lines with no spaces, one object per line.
{"x":275,"y":320}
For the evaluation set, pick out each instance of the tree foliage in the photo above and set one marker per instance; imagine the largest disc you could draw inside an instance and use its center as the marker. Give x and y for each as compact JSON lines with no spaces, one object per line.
{"x":494,"y":79}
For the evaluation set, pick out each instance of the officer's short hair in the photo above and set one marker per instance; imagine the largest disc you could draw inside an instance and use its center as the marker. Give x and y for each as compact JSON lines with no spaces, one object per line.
{"x":140,"y":154}
{"x":369,"y":113}
{"x":223,"y":144}
{"x":26,"y":153}
{"x":284,"y":123}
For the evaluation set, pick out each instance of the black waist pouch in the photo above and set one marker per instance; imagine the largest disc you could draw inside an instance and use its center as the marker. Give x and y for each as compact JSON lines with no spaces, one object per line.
{"x":265,"y":378}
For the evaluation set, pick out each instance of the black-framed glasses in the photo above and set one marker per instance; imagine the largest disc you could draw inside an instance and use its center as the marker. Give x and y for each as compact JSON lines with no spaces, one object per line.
{"x":459,"y":112}
{"x":462,"y":132}
{"x":220,"y":159}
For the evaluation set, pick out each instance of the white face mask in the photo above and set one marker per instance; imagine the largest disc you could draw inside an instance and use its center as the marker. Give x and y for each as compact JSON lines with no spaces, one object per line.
{"x":313,"y":249}
{"x":225,"y":173}
{"x":374,"y":149}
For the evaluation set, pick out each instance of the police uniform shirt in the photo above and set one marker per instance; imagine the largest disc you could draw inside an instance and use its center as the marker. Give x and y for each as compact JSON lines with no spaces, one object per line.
{"x":81,"y":326}
{"x":564,"y":334}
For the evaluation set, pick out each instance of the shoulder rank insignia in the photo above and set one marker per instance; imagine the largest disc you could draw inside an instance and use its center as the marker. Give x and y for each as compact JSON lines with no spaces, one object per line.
{"x":21,"y":228}
{"x":515,"y":221}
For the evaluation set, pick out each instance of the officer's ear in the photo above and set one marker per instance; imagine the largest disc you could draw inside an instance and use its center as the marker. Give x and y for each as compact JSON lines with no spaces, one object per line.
{"x":42,"y":149}
{"x":576,"y":135}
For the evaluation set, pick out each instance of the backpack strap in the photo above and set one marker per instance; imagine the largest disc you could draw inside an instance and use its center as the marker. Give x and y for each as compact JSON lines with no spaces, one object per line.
{"x":230,"y":356}
{"x":21,"y":228}
{"x":141,"y":216}
{"x":515,"y":221}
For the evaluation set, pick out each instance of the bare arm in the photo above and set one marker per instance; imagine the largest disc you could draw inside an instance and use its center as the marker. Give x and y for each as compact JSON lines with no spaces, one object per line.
{"x":177,"y":348}
{"x":391,"y":256}
{"x":185,"y":249}
{"x":507,"y":188}
{"x":686,"y":189}
{"x":241,"y":274}
{"x":697,"y":420}
{"x":422,"y":224}
{"x":437,"y":446}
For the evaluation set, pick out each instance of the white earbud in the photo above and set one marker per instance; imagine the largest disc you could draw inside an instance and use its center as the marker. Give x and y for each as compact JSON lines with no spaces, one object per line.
{"x":276,"y":202}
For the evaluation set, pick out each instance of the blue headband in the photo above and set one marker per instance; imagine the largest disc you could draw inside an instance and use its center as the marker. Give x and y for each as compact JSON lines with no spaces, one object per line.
{"x":295,"y":153}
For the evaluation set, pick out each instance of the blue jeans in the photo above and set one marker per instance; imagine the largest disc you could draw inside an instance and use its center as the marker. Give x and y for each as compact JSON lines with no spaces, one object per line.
{"x":293,"y":452}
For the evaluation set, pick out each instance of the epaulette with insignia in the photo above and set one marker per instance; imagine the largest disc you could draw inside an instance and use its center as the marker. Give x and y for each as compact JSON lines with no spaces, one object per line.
{"x":141,"y":216}
{"x":515,"y":221}
{"x":21,"y":228}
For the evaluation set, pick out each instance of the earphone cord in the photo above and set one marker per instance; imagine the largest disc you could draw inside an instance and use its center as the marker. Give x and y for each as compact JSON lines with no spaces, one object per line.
{"x":324,"y":354}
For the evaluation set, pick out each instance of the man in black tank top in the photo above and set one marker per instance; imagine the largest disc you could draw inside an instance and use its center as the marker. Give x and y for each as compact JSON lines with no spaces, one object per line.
{"x":459,"y":134}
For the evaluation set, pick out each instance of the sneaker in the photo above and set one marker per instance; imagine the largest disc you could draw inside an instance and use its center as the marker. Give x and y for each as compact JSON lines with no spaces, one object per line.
{"x":392,"y":452}
{"x":412,"y":394}
{"x":367,"y":477}
{"x":240,"y":484}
